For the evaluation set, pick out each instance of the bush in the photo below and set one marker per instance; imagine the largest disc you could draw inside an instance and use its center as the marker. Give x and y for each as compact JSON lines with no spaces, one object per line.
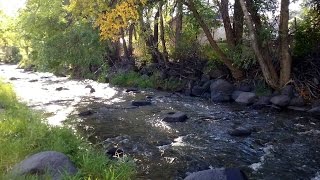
{"x":24,"y":132}
{"x":10,"y":54}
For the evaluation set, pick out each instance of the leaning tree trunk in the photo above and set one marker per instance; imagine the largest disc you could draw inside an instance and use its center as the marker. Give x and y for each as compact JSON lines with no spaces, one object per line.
{"x":236,"y":73}
{"x":266,"y":66}
{"x":285,"y":58}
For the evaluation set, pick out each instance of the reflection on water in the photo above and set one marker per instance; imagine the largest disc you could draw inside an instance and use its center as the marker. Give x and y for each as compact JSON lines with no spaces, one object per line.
{"x":283,"y":145}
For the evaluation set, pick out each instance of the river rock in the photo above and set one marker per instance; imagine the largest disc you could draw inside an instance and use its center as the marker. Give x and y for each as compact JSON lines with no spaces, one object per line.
{"x":236,"y":94}
{"x":141,"y":103}
{"x":246,"y":98}
{"x":297,"y":101}
{"x":115,"y":152}
{"x":197,"y":91}
{"x":298,"y":108}
{"x":316,"y":104}
{"x":33,"y":80}
{"x":221,"y":85}
{"x":86,"y":113}
{"x":220,"y":97}
{"x":262,"y":102}
{"x":240,"y":131}
{"x":280,"y":100}
{"x":92,"y":90}
{"x":218,"y":174}
{"x":288,"y":91}
{"x":315,"y":111}
{"x":55,"y":164}
{"x":134,"y":90}
{"x":245,"y":88}
{"x":221,"y":91}
{"x":61,"y":88}
{"x":13,"y":78}
{"x":175,"y":117}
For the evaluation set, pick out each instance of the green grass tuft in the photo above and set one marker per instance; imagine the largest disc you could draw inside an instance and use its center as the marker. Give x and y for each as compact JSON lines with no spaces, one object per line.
{"x":24,"y":132}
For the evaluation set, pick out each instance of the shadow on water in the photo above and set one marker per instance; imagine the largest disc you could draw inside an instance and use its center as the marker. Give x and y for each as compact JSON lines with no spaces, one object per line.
{"x":283,"y":145}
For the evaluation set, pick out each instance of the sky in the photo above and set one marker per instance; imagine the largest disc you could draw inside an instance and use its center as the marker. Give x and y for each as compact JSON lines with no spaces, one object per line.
{"x":11,"y":7}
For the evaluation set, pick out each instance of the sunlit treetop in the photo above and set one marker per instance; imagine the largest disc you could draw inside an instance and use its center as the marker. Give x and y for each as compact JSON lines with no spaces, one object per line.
{"x":110,"y":20}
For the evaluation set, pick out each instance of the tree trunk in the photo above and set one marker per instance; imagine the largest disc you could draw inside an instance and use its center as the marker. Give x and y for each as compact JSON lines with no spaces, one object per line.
{"x":237,"y":23}
{"x":148,"y":38}
{"x":267,"y":68}
{"x":179,"y":22}
{"x":224,"y":10}
{"x":156,"y":30}
{"x":124,"y":44}
{"x":130,"y":47}
{"x":285,"y":58}
{"x":163,"y":41}
{"x":236,"y":73}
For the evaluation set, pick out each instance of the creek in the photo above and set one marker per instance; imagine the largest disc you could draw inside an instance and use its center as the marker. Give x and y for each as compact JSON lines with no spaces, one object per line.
{"x":283,"y":144}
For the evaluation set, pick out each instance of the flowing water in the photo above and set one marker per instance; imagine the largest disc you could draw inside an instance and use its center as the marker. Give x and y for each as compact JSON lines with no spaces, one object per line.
{"x":283,"y":145}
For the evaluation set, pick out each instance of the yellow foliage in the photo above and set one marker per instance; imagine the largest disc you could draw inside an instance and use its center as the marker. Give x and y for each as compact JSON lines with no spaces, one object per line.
{"x":110,"y":20}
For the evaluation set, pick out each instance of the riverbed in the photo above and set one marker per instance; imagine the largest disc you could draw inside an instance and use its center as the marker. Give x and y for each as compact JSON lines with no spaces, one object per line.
{"x":283,"y":144}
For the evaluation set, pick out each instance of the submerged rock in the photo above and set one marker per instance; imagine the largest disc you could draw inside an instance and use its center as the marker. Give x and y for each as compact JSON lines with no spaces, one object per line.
{"x":33,"y":80}
{"x":175,"y":117}
{"x":13,"y":78}
{"x":52,"y":163}
{"x":61,"y":88}
{"x":240,"y":132}
{"x":86,"y":113}
{"x":315,"y":111}
{"x":141,"y":103}
{"x":218,"y":174}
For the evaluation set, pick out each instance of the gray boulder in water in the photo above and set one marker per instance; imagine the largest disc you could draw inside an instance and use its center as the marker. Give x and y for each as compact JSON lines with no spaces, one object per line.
{"x":52,"y":163}
{"x":218,"y":174}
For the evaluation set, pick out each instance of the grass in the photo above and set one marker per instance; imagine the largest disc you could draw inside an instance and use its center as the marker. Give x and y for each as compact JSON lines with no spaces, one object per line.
{"x":24,"y":132}
{"x":134,"y":79}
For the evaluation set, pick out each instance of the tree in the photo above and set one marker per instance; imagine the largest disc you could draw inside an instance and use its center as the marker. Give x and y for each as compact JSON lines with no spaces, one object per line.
{"x":254,"y":26}
{"x":236,"y":73}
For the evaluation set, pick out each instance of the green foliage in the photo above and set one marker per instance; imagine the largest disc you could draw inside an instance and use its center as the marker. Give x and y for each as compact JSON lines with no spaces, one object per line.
{"x":10,"y":54}
{"x":23,"y":132}
{"x":262,"y":89}
{"x":131,"y":79}
{"x":59,"y":42}
{"x":307,"y":35}
{"x":134,"y":79}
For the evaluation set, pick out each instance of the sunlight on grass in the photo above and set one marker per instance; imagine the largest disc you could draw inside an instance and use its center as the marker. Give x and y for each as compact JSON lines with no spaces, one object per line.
{"x":24,"y":132}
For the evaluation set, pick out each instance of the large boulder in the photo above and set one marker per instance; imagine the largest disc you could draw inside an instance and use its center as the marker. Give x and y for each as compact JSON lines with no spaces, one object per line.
{"x":280,"y":100}
{"x":218,"y":174}
{"x":52,"y":163}
{"x":175,"y":117}
{"x":246,"y":98}
{"x":221,"y":90}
